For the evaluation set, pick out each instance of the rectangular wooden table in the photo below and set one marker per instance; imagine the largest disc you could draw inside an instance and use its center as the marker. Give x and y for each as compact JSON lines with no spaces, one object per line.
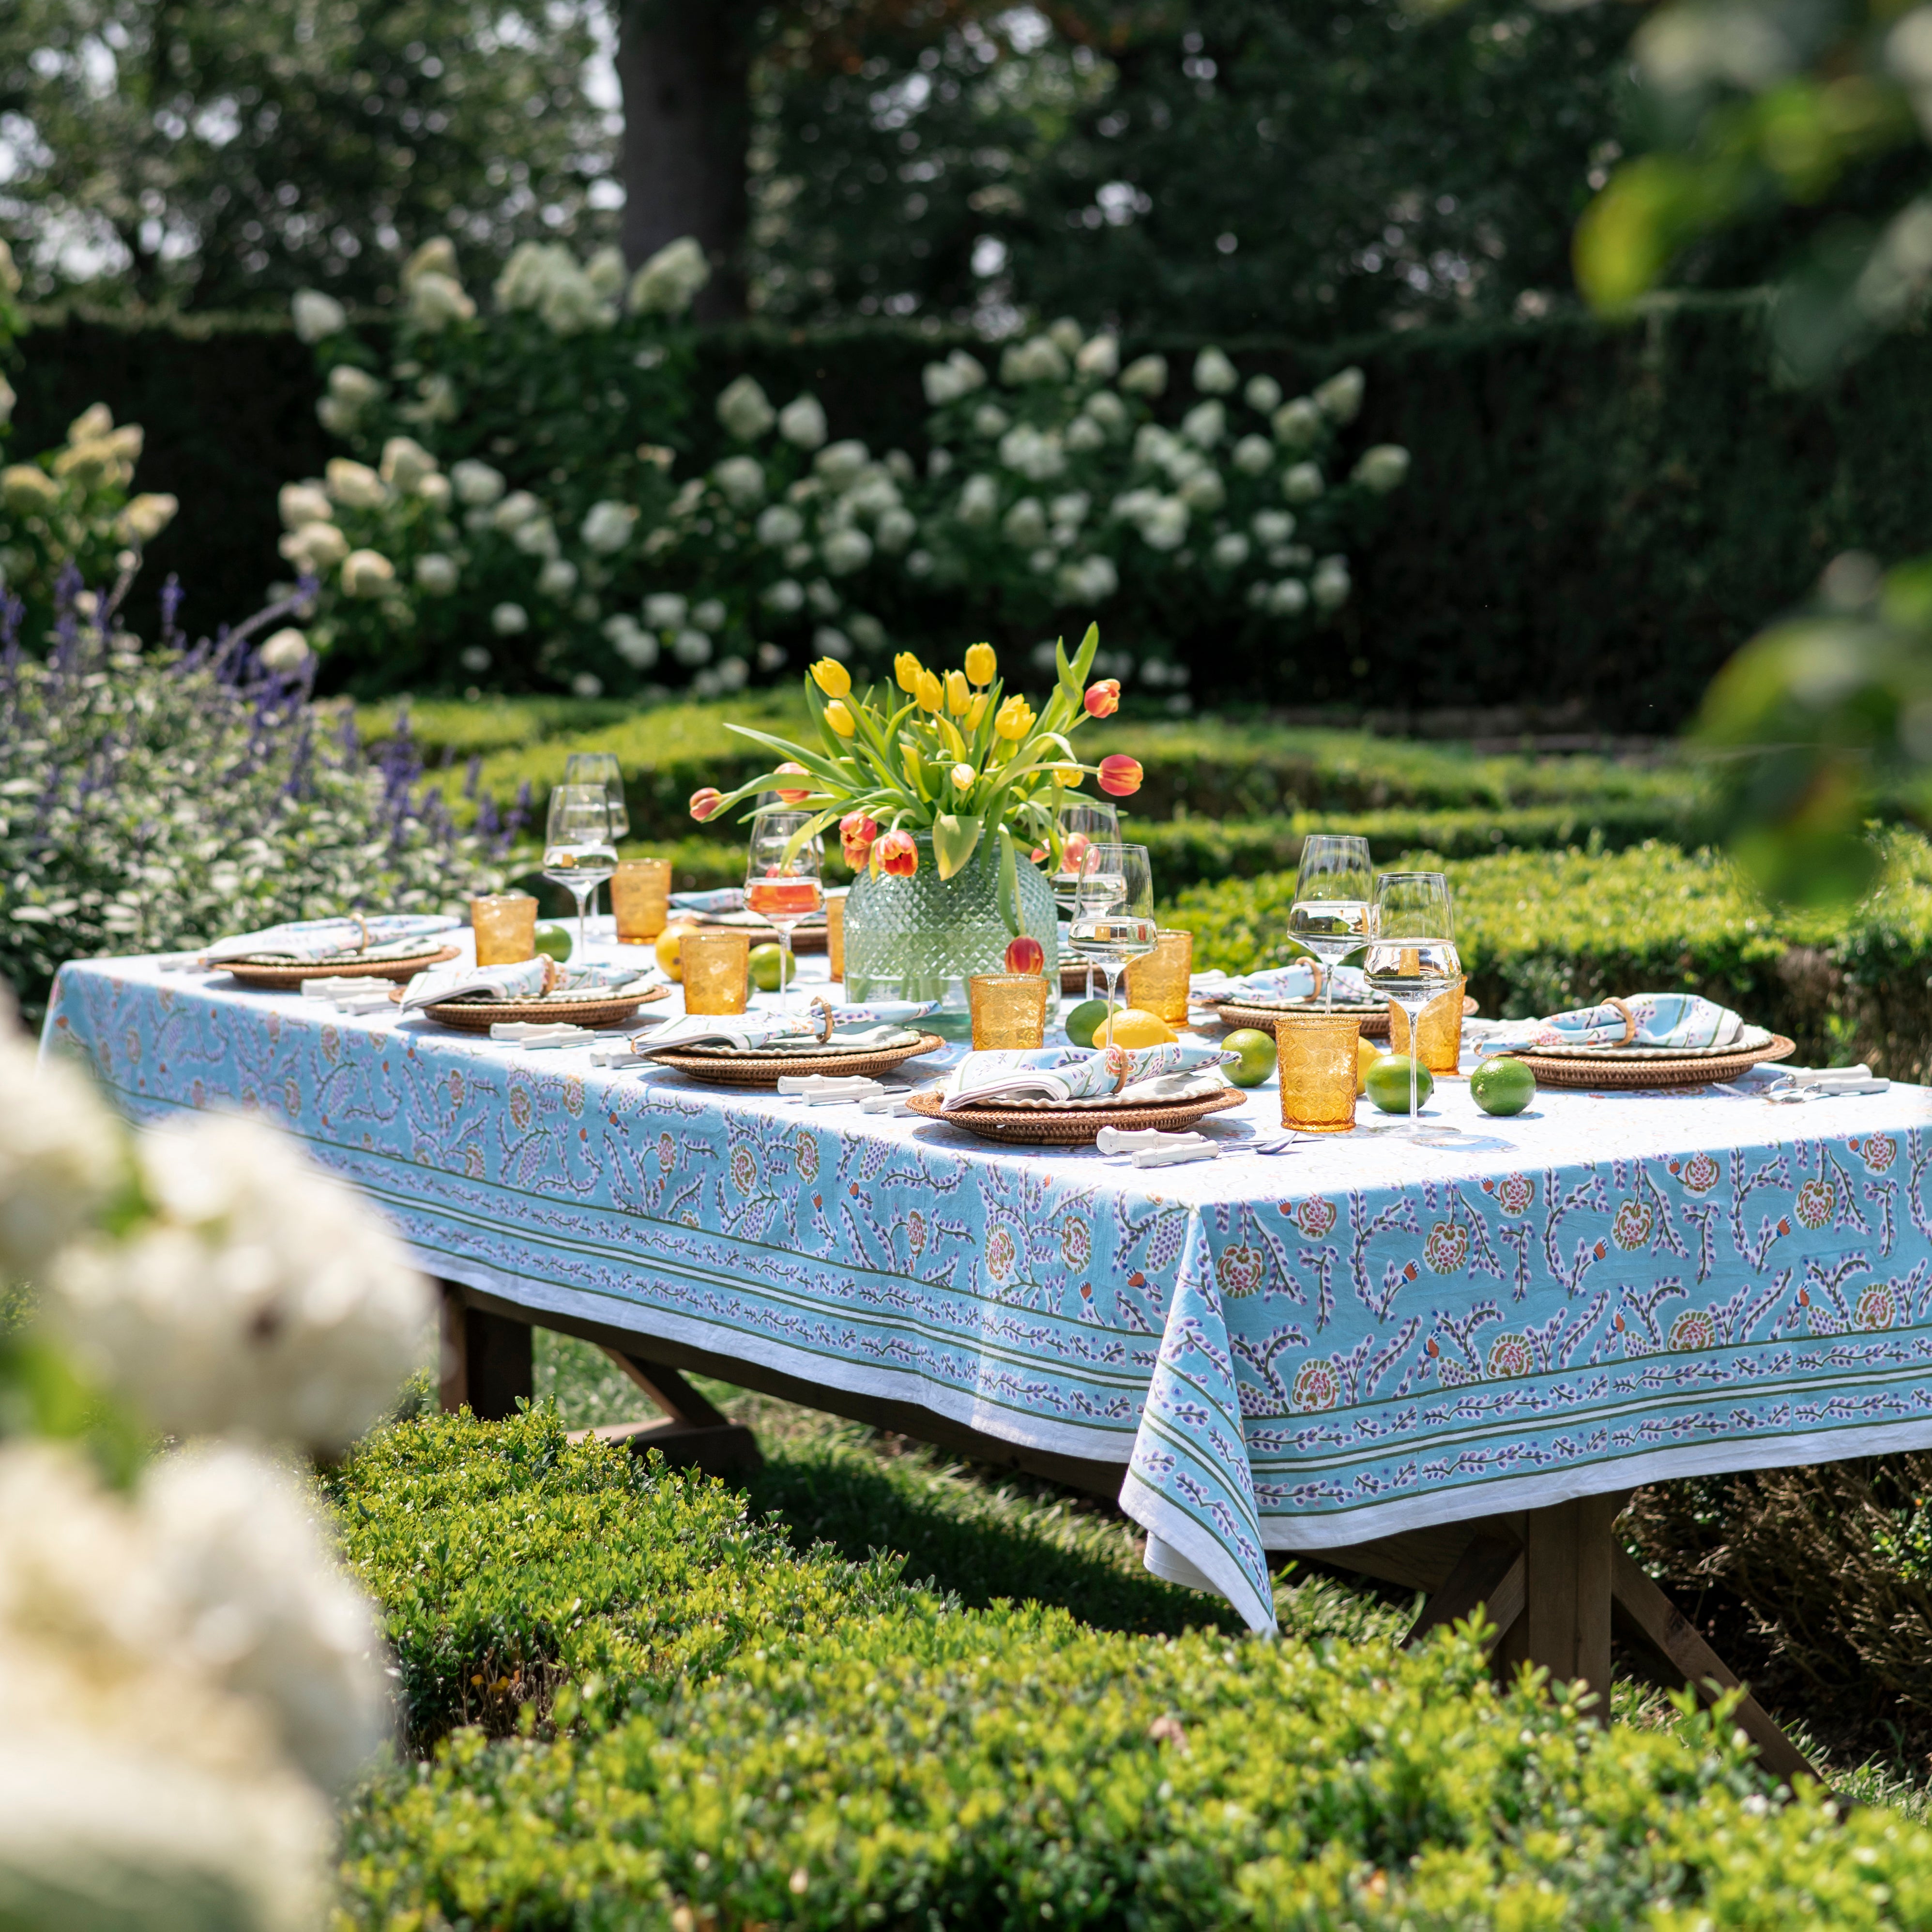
{"x":1440,"y":1365}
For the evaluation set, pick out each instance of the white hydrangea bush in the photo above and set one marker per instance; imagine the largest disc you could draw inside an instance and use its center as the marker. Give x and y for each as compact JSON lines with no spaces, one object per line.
{"x":1064,"y":481}
{"x":192,"y":1674}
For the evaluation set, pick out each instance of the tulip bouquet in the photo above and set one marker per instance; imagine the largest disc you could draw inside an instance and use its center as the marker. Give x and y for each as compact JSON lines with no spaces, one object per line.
{"x":954,"y":754}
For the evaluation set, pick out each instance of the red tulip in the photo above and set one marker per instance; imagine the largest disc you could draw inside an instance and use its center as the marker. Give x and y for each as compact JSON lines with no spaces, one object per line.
{"x":704,"y":802}
{"x":1025,"y":955}
{"x":1102,"y":699}
{"x":1120,"y":775}
{"x":856,"y":834}
{"x":795,"y":797}
{"x":1076,"y":848}
{"x":897,"y":854}
{"x":1038,"y":855}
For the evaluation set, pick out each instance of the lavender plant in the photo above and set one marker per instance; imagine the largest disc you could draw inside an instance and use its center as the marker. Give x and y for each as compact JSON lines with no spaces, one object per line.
{"x":154,"y":799}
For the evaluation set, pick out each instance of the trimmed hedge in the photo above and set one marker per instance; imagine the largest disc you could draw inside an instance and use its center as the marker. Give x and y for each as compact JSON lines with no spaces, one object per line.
{"x":1542,"y":932}
{"x":772,"y":1739}
{"x":1205,"y":768}
{"x":1598,"y":512}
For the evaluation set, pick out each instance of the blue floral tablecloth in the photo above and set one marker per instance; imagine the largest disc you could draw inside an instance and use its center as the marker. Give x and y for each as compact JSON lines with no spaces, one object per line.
{"x":1290,"y":1351}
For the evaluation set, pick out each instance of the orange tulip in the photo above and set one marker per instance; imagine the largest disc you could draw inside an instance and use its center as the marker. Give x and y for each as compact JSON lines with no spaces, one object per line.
{"x":799,"y":797}
{"x":704,"y":802}
{"x":1102,"y":699}
{"x":856,"y":831}
{"x":1120,"y":775}
{"x":897,"y":855}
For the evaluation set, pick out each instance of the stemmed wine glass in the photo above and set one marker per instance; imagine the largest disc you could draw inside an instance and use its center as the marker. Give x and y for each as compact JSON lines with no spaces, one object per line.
{"x":580,"y":851}
{"x":601,"y":768}
{"x":1082,"y":823}
{"x":1113,"y":919}
{"x":1332,"y":913}
{"x":781,"y":884}
{"x":1412,"y":956}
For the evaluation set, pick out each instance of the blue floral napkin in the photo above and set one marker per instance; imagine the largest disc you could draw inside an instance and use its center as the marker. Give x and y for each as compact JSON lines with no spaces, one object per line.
{"x":1663,"y":1020}
{"x":302,"y":942}
{"x":527,"y":980}
{"x":1074,"y":1072}
{"x":1295,"y":981}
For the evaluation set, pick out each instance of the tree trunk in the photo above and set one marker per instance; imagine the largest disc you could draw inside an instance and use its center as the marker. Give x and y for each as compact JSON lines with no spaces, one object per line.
{"x":685,"y":68}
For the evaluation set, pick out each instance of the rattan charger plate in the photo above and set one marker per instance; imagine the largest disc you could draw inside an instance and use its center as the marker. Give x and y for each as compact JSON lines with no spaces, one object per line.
{"x":285,"y":979}
{"x":1375,"y":1018}
{"x":480,"y":1015}
{"x":1612,"y":1070}
{"x":1070,"y":1126}
{"x":767,"y":1070}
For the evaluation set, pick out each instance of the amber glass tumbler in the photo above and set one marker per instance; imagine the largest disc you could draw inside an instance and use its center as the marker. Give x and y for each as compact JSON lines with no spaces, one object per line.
{"x":505,"y":925}
{"x":1439,"y":1033}
{"x":641,"y":898}
{"x":1315,"y":1056}
{"x":1008,"y":1008}
{"x":1157,"y":981}
{"x":717,"y":971}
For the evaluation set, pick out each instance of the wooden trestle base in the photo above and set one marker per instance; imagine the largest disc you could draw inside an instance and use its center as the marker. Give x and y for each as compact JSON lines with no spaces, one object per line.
{"x":1555,"y":1583}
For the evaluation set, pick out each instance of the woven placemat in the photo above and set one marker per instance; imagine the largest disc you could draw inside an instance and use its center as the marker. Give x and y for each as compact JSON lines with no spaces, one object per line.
{"x":282,"y":979}
{"x":1375,"y":1019}
{"x":1608,"y":1070}
{"x":480,"y":1015}
{"x":767,"y":1070}
{"x":1018,"y":1127}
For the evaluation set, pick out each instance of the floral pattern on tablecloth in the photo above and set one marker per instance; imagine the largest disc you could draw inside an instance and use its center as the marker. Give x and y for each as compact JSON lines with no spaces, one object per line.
{"x":1290,"y":1351}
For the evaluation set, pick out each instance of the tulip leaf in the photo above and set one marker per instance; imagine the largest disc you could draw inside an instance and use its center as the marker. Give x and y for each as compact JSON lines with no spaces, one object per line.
{"x":953,"y":840}
{"x":1010,"y":883}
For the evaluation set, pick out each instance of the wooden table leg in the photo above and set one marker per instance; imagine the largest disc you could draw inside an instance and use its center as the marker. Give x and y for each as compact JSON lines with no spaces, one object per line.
{"x":693,"y":1433}
{"x":486,"y":1359}
{"x":1565,"y":1625}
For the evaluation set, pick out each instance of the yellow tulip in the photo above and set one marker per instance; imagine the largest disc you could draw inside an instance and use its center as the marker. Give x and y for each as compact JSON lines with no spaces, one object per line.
{"x":907,"y":672}
{"x":1014,"y":719}
{"x":839,"y":715}
{"x":930,"y":692}
{"x":975,"y":712}
{"x":832,"y":678}
{"x":1069,"y":775}
{"x":981,"y":665}
{"x":963,"y":776}
{"x":958,"y":696}
{"x":909,"y":759}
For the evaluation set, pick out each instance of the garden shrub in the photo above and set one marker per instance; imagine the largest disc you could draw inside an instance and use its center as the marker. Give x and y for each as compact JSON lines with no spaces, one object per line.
{"x":1540,"y":932}
{"x":509,"y":1561}
{"x":158,"y":799}
{"x":498,"y":530}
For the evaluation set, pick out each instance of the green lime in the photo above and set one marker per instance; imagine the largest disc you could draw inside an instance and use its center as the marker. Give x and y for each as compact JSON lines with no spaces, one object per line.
{"x":767,"y":963}
{"x":1257,"y":1060}
{"x":1503,"y":1086}
{"x":553,"y":941}
{"x":1086,"y":1019}
{"x":1387,"y":1084}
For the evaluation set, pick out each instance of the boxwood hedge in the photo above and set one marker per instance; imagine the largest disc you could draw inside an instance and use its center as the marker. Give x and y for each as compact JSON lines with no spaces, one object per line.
{"x":1540,"y":931}
{"x":769,"y":1738}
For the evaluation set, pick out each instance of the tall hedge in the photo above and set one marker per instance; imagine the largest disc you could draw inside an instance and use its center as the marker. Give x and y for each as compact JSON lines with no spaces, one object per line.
{"x":1598,"y":514}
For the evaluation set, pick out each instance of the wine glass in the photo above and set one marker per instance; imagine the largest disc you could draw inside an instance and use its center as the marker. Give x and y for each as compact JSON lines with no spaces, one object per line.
{"x":601,"y":768}
{"x":1082,"y":823}
{"x":1113,"y":909}
{"x":1412,"y":952}
{"x":783,"y":881}
{"x":1332,"y":912}
{"x":579,"y":850}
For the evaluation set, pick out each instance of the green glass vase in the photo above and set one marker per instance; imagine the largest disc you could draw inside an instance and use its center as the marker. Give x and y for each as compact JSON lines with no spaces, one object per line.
{"x":923,"y":937}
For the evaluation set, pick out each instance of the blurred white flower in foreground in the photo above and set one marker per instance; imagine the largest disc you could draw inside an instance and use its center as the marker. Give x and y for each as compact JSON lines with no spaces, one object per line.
{"x":744,"y":409}
{"x":317,"y":315}
{"x":137,"y":1788}
{"x":802,"y":421}
{"x":263,"y":1296}
{"x":668,"y":282}
{"x":62,"y":1154}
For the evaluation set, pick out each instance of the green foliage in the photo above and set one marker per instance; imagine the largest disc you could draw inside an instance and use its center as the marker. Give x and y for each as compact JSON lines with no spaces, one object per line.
{"x":509,"y":1562}
{"x":212,"y":155}
{"x":1050,"y":491}
{"x":1326,"y":166}
{"x":1542,"y":932}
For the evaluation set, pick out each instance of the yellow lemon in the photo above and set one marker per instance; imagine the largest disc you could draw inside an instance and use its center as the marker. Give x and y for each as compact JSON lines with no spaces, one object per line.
{"x":1367,"y":1055}
{"x":670,"y":949}
{"x":1135,"y":1027}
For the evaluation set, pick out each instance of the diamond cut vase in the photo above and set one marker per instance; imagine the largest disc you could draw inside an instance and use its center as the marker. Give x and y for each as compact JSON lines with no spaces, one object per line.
{"x":923,"y":938}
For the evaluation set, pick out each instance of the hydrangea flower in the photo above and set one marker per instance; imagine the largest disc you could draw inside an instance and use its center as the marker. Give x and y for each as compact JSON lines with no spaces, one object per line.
{"x":744,"y":409}
{"x":802,"y":421}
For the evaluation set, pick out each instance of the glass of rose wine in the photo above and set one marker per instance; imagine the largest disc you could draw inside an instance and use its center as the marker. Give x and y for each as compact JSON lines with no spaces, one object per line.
{"x":784,"y":880}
